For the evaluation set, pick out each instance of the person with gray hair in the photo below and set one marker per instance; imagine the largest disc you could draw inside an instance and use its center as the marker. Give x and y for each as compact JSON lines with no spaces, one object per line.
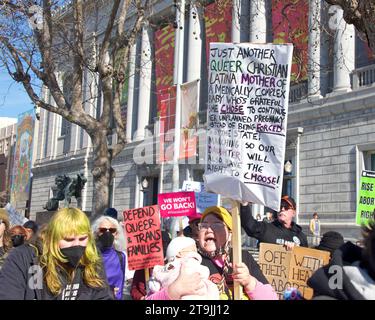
{"x":110,"y":240}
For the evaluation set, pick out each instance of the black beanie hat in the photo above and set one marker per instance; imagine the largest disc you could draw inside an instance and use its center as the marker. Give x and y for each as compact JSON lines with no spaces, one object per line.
{"x":331,"y":241}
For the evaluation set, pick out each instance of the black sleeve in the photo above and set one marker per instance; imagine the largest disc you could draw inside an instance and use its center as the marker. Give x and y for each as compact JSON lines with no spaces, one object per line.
{"x":253,"y":266}
{"x":14,"y":275}
{"x":103,"y":293}
{"x":304,"y":242}
{"x":252,"y":227}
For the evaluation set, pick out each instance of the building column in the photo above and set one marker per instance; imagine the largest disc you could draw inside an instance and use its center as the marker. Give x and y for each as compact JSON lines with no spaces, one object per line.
{"x":258,"y":21}
{"x":314,"y":49}
{"x":178,"y":73}
{"x":236,"y":25}
{"x":129,"y":111}
{"x":194,"y":45}
{"x":343,"y":63}
{"x":144,"y":84}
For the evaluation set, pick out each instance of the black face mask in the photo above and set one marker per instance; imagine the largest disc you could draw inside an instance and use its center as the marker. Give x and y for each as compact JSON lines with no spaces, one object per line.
{"x":73,"y":254}
{"x":105,"y":240}
{"x":17,"y":240}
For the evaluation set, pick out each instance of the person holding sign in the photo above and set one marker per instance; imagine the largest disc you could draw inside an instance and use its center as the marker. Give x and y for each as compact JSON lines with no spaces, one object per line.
{"x":350,"y":275}
{"x":214,"y":240}
{"x":282,"y":231}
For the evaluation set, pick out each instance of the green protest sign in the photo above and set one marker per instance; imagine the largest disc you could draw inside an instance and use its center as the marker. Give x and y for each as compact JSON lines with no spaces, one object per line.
{"x":366,"y":198}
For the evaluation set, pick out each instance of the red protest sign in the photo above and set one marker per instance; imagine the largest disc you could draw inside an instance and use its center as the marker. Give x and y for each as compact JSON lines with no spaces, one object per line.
{"x":143,"y":234}
{"x":176,"y":204}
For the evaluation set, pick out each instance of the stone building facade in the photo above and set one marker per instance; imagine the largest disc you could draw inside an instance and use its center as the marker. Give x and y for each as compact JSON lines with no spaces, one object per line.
{"x":331,"y":120}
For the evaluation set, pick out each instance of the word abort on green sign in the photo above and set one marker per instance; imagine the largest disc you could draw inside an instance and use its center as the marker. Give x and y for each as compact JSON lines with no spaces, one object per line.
{"x":366,"y":198}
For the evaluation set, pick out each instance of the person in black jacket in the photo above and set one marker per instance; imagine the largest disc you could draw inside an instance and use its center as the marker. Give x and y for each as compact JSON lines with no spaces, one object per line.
{"x":67,"y":268}
{"x":281,"y":231}
{"x":350,"y":274}
{"x":214,"y":245}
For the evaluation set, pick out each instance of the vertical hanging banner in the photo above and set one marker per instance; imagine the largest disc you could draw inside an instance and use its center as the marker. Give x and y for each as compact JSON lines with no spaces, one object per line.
{"x":366,"y":198}
{"x":167,"y":124}
{"x":248,"y":94}
{"x":189,"y":117}
{"x":144,"y":242}
{"x":290,"y":23}
{"x":20,"y":188}
{"x":218,"y":22}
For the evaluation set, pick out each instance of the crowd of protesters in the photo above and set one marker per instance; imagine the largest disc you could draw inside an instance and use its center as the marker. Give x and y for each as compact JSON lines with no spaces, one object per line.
{"x":71,"y":258}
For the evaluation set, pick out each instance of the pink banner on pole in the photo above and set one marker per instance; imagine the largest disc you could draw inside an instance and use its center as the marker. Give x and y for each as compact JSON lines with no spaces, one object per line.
{"x":176,"y":204}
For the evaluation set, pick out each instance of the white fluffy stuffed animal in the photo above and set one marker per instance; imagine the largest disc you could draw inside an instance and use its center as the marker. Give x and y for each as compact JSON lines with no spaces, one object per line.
{"x":163,"y":276}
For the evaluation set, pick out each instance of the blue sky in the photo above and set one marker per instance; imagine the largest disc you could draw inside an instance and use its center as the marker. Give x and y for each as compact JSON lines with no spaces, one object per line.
{"x":13,"y":98}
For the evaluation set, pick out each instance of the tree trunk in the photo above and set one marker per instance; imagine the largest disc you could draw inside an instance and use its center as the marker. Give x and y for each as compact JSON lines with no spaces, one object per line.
{"x":101,"y":173}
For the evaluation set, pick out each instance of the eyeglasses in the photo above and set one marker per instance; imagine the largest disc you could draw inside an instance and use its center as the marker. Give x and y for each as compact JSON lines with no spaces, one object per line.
{"x":285,"y":208}
{"x":216,"y":226}
{"x":111,"y":230}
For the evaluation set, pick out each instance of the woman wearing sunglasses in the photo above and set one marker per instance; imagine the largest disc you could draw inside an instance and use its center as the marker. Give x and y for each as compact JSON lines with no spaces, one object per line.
{"x":283,"y":230}
{"x":214,"y":245}
{"x":110,"y":240}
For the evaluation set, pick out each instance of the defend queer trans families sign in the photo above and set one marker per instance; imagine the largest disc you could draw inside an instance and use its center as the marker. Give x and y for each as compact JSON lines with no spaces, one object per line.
{"x":366,"y":198}
{"x":248,"y":94}
{"x":144,"y":242}
{"x":176,"y":204}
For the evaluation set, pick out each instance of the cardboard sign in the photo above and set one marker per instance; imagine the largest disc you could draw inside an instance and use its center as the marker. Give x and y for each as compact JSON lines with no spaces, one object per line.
{"x":143,"y":235}
{"x":366,"y":198}
{"x":285,"y":269}
{"x":248,"y":94}
{"x":176,"y":204}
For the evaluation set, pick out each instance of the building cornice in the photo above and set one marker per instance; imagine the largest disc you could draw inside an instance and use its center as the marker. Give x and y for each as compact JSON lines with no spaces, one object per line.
{"x":332,"y":105}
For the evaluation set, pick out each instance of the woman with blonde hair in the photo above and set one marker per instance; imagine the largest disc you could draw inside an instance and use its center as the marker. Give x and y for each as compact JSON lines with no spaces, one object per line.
{"x":69,"y":267}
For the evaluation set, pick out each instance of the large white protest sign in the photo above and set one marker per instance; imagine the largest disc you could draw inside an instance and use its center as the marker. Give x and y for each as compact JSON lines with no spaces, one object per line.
{"x":248,"y":94}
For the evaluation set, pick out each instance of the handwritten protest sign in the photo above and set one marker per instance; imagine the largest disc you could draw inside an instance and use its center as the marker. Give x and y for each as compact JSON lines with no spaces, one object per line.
{"x":366,"y":198}
{"x":285,"y":269}
{"x":303,"y":263}
{"x":15,"y":218}
{"x":203,"y":199}
{"x":143,"y":234}
{"x":176,"y":204}
{"x":247,"y":119}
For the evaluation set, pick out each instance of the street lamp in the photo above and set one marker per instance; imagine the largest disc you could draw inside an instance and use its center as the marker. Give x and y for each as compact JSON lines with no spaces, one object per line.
{"x":144,"y":185}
